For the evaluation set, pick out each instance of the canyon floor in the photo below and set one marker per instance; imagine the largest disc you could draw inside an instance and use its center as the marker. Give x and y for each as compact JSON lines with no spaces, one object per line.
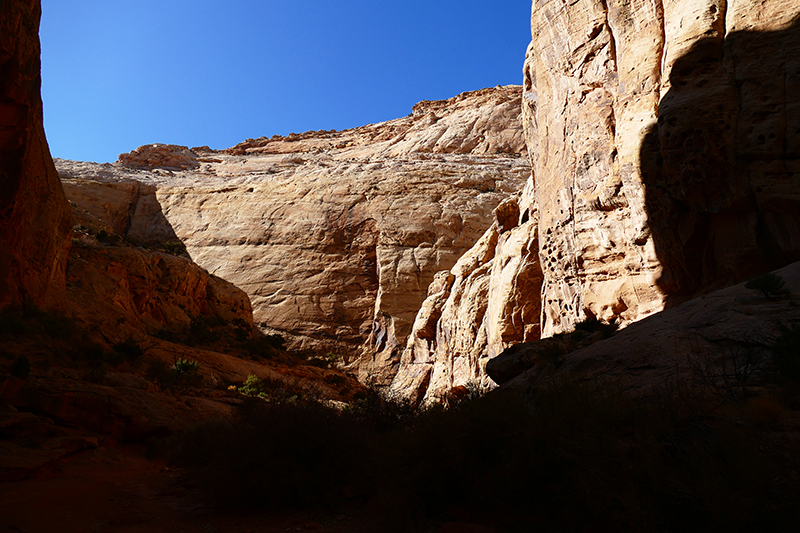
{"x":119,"y":489}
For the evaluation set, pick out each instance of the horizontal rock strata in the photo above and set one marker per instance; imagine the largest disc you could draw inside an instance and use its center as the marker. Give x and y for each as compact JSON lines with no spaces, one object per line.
{"x":335,"y":236}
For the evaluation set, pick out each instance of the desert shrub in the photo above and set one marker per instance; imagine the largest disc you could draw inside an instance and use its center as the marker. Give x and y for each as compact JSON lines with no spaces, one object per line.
{"x":129,"y":349}
{"x":241,"y":330}
{"x":253,"y":386}
{"x":736,"y":373}
{"x":264,"y":346}
{"x":186,"y":367}
{"x":183,"y":373}
{"x":769,"y":284}
{"x":327,"y":361}
{"x":381,"y":412}
{"x":563,"y":456}
{"x":201,"y":331}
{"x":173,"y":247}
{"x":570,"y":454}
{"x":275,"y":391}
{"x":21,"y":367}
{"x":275,"y":456}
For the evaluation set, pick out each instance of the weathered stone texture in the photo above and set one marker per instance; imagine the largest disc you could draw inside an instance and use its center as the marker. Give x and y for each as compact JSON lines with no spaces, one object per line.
{"x":687,"y":345}
{"x":663,"y":143}
{"x":659,"y":135}
{"x":34,"y":214}
{"x":335,"y":236}
{"x":488,"y":301}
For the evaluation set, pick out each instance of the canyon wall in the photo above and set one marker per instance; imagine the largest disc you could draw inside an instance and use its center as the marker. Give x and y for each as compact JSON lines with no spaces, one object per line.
{"x":335,"y":236}
{"x":34,"y":215}
{"x":663,"y":138}
{"x":664,"y":141}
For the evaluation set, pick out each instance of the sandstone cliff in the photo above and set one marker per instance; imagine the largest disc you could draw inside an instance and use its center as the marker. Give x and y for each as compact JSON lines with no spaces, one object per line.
{"x":663,"y":142}
{"x":661,"y":135}
{"x":335,"y":236}
{"x":34,"y":215}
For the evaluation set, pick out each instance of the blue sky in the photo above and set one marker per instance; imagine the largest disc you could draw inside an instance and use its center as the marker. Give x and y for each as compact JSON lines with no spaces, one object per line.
{"x":118,"y":74}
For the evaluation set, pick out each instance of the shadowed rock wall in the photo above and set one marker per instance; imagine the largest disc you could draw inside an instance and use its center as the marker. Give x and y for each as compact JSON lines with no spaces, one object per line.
{"x":661,"y":141}
{"x":35,"y":223}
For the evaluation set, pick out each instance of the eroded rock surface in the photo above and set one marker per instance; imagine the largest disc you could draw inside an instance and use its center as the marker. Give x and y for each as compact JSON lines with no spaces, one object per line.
{"x":335,"y":236}
{"x":488,"y":301}
{"x":661,"y":141}
{"x":34,"y":215}
{"x":663,"y":138}
{"x":700,"y":343}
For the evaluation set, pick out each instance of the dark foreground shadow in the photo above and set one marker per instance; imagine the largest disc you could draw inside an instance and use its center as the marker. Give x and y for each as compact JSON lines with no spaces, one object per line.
{"x":721,"y":167}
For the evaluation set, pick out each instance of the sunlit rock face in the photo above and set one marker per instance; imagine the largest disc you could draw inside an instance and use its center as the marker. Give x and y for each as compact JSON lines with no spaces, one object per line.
{"x":34,"y":214}
{"x":335,"y":236}
{"x":664,"y":139}
{"x":489,"y":300}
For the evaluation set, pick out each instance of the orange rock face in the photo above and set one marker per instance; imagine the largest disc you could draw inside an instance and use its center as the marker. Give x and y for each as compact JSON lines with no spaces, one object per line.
{"x":34,"y":214}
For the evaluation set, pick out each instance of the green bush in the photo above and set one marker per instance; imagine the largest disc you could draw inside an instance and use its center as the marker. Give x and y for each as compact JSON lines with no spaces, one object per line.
{"x":173,"y":247}
{"x":327,"y":361}
{"x":183,"y":373}
{"x":253,"y":387}
{"x":186,"y":367}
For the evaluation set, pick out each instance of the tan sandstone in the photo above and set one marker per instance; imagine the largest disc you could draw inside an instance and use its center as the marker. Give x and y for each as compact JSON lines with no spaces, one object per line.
{"x":334,"y":236}
{"x":663,"y":143}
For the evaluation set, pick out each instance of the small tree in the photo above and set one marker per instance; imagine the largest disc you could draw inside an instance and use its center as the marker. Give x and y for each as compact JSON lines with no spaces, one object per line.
{"x":770,"y":284}
{"x":186,"y":367}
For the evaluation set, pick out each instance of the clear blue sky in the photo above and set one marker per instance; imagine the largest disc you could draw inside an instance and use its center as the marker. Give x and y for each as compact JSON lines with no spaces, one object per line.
{"x":119,"y":73}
